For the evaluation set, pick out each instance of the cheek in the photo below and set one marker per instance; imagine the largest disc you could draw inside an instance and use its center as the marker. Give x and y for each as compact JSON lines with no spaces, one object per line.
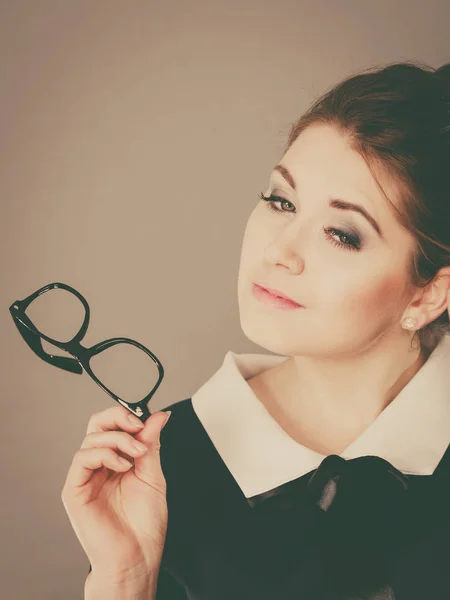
{"x":375,"y":297}
{"x":252,"y":240}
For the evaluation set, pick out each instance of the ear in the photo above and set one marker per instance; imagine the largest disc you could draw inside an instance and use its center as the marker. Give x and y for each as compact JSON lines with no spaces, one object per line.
{"x":432,"y":300}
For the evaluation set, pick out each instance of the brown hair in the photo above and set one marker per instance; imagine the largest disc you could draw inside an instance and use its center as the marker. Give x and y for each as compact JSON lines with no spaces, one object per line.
{"x":397,"y":117}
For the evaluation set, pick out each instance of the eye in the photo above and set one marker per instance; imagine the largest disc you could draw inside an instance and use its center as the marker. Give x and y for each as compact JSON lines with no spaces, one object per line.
{"x":272,"y":200}
{"x":353,"y":243}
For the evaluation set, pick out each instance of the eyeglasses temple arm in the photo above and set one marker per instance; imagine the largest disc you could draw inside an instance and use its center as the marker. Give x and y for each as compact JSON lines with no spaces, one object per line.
{"x":35,"y":343}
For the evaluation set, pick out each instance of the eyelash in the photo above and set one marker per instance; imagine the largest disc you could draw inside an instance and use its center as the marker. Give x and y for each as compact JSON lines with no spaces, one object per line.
{"x":354,"y":244}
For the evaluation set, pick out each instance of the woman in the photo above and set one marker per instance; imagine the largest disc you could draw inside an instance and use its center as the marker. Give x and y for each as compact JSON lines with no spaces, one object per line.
{"x":322,"y":470}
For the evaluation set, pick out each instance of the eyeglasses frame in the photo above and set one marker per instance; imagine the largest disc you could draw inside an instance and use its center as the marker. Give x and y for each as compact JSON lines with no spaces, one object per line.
{"x":81,"y":354}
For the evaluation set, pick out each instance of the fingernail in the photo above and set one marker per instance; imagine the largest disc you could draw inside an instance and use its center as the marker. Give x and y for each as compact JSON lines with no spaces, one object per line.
{"x":139,"y":446}
{"x":168,"y":413}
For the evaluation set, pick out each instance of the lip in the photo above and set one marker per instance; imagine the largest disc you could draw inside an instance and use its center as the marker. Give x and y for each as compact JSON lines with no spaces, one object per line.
{"x":274,"y":297}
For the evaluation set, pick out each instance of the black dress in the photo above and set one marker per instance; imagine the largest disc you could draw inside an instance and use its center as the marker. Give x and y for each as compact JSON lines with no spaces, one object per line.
{"x":281,"y":545}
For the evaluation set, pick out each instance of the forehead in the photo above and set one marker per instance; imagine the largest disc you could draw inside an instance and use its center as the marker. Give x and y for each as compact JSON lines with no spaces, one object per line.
{"x":321,"y":153}
{"x":322,"y":159}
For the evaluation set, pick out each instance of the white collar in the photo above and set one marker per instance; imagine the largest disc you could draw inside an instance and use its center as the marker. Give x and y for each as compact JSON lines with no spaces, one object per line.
{"x":412,"y":432}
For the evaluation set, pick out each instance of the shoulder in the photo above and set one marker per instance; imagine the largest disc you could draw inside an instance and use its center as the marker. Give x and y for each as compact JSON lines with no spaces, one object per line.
{"x":181,"y":425}
{"x":193,"y":472}
{"x":189,"y":459}
{"x":183,"y":440}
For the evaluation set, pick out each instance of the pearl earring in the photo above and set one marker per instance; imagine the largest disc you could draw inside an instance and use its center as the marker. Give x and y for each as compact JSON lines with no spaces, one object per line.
{"x":408,"y":323}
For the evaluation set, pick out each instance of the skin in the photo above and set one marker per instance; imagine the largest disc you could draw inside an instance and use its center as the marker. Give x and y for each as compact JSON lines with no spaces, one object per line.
{"x":348,"y":354}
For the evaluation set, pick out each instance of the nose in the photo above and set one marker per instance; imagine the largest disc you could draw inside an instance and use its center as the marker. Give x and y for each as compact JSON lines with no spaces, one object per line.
{"x":284,"y":249}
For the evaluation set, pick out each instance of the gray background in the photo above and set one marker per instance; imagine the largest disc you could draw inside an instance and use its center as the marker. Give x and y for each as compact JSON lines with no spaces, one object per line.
{"x":134,"y":139}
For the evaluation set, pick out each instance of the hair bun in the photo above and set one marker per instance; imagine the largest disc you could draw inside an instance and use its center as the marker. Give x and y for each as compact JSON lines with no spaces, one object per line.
{"x":442,"y":78}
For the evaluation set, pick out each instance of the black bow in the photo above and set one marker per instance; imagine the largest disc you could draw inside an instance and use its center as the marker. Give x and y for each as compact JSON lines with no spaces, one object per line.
{"x":363,"y":510}
{"x":358,"y":510}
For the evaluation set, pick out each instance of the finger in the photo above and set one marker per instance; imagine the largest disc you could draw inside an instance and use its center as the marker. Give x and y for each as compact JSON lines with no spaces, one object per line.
{"x":115,"y":417}
{"x":148,"y":466}
{"x":86,"y":461}
{"x":152,"y":428}
{"x":117,"y":440}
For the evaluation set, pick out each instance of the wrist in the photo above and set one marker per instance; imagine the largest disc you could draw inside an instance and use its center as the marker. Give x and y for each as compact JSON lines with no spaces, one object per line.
{"x":102,"y":586}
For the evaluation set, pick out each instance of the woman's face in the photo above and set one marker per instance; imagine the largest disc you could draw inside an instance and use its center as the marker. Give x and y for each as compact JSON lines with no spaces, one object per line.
{"x":351,"y":296}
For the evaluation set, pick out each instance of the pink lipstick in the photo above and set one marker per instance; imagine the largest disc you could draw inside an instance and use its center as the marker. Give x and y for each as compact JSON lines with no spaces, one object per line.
{"x":274,"y":298}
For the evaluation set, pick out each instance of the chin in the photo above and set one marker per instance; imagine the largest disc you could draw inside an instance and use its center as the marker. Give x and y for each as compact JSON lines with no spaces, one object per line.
{"x":262,"y":335}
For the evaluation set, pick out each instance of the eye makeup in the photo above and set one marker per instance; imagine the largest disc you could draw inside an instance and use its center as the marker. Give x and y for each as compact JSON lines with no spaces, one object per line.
{"x":353,"y":240}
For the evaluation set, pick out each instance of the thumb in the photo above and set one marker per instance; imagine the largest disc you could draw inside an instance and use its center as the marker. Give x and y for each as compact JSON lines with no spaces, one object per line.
{"x":148,"y":465}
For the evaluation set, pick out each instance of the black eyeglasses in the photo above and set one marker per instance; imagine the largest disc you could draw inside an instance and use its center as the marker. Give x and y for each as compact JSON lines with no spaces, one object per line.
{"x":82,"y":355}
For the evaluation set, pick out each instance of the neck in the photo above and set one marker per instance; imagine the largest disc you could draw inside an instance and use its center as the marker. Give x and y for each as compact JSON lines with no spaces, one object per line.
{"x":327,"y":404}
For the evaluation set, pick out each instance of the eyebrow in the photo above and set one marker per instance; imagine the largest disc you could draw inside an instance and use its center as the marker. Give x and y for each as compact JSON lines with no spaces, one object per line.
{"x":335,"y":202}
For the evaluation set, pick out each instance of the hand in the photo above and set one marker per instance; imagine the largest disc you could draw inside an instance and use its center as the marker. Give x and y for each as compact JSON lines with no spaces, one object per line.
{"x":119,"y":512}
